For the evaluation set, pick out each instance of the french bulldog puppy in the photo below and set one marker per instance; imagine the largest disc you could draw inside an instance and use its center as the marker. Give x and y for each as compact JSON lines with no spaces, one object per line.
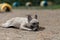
{"x":26,"y":23}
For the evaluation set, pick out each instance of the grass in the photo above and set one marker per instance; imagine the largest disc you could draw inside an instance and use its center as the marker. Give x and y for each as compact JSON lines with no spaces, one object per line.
{"x":38,"y":7}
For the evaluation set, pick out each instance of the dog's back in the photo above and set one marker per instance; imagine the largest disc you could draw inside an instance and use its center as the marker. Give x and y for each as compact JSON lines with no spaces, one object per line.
{"x":15,"y":22}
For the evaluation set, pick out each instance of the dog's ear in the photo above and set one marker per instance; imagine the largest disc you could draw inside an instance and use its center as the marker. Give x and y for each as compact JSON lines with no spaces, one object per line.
{"x":29,"y":18}
{"x":36,"y":16}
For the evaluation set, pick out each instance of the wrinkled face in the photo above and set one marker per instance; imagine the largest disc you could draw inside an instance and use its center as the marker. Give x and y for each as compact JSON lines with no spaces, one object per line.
{"x":34,"y":23}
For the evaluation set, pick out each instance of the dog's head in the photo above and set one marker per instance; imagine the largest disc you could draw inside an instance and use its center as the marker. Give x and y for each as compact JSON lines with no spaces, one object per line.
{"x":34,"y":23}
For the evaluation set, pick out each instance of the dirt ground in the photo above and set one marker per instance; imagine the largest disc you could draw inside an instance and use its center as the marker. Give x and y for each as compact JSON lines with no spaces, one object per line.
{"x":49,"y":19}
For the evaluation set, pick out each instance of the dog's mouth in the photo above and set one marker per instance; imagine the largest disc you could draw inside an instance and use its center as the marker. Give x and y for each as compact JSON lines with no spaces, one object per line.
{"x":35,"y":28}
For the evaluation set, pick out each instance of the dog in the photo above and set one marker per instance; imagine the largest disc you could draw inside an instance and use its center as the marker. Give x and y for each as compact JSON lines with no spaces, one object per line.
{"x":26,"y":23}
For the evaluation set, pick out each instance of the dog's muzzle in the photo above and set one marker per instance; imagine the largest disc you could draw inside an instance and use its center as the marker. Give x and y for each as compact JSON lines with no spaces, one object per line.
{"x":35,"y":26}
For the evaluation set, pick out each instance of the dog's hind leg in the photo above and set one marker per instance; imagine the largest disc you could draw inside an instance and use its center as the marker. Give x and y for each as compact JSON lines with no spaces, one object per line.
{"x":7,"y":24}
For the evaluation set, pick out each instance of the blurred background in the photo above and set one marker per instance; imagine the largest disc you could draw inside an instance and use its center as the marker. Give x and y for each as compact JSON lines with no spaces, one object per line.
{"x":33,"y":3}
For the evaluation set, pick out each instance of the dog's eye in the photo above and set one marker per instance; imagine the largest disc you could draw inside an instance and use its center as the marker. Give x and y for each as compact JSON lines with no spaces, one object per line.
{"x":33,"y":23}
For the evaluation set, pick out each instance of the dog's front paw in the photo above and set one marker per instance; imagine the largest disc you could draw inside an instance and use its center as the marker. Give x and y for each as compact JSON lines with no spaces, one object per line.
{"x":34,"y":29}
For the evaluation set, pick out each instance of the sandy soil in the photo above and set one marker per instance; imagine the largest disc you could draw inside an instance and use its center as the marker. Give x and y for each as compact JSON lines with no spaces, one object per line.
{"x":49,"y":19}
